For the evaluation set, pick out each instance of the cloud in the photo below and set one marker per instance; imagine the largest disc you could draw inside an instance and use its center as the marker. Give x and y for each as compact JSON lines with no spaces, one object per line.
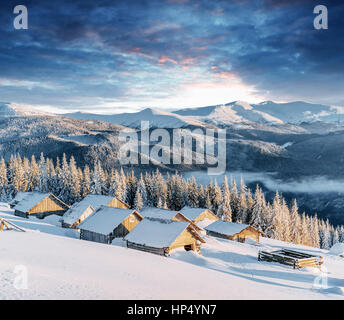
{"x":142,"y":52}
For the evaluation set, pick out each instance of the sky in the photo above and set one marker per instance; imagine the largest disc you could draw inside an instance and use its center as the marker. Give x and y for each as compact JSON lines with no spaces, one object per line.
{"x":122,"y":56}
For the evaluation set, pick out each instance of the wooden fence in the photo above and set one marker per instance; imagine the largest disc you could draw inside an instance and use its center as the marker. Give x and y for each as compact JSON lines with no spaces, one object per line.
{"x":9,"y":225}
{"x":291,"y":258}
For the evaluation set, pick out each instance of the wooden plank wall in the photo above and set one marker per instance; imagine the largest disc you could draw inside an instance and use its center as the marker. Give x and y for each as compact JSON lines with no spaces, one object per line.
{"x":117,"y":204}
{"x":47,"y":206}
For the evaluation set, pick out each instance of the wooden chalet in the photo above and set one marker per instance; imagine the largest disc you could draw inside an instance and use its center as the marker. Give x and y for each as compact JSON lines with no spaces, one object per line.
{"x":79,"y":211}
{"x":161,"y":237}
{"x":108,"y":223}
{"x":197,"y":215}
{"x":232,"y":231}
{"x":39,"y":205}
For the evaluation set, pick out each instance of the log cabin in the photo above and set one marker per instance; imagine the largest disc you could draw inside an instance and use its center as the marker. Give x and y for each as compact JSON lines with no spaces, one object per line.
{"x":232,"y":231}
{"x":163,"y":214}
{"x":199,"y":216}
{"x":39,"y":205}
{"x":108,"y":223}
{"x":161,"y":237}
{"x":79,"y":211}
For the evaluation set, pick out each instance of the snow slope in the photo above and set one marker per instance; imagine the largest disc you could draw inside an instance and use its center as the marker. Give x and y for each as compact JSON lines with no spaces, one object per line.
{"x":62,"y":267}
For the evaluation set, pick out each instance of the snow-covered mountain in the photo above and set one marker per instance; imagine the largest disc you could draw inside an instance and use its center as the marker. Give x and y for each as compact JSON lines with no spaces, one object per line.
{"x":233,"y":113}
{"x":265,"y":112}
{"x":9,"y":110}
{"x":157,"y":118}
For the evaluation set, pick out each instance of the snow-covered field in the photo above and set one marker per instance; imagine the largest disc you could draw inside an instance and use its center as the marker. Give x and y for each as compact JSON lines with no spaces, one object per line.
{"x":60,"y":266}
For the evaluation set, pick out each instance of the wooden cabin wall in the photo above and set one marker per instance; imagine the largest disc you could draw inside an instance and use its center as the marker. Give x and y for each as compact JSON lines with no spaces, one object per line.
{"x":185,"y":238}
{"x":179,"y":217}
{"x":93,"y":236}
{"x":46,"y":207}
{"x":141,"y":247}
{"x":249,"y":233}
{"x":126,"y":226}
{"x":206,"y":214}
{"x":20,"y":214}
{"x":117,"y":204}
{"x":217,"y":235}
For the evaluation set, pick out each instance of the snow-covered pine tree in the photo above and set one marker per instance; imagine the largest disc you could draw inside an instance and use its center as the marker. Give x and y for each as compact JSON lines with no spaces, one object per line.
{"x":277,"y":217}
{"x":242,"y":203}
{"x":225,"y":210}
{"x":259,"y":212}
{"x":75,"y":183}
{"x":286,"y":224}
{"x":141,"y":194}
{"x":192,"y":193}
{"x":131,"y":183}
{"x":314,"y":232}
{"x":305,"y":237}
{"x":86,"y":181}
{"x":250,"y":203}
{"x":234,"y":199}
{"x":3,"y":180}
{"x":43,"y":175}
{"x":202,"y":201}
{"x":341,"y":234}
{"x":216,"y":197}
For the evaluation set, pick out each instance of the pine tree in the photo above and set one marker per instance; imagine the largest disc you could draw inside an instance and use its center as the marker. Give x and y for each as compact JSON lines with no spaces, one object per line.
{"x":3,"y":180}
{"x":192,"y":193}
{"x":202,"y":200}
{"x":260,"y":215}
{"x":43,"y":175}
{"x":225,"y":210}
{"x":141,"y":195}
{"x":315,"y":232}
{"x":234,"y":199}
{"x":242,"y":203}
{"x":295,"y":223}
{"x":216,"y":199}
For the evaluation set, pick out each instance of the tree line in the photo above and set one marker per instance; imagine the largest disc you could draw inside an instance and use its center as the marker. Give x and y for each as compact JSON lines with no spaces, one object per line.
{"x":230,"y":202}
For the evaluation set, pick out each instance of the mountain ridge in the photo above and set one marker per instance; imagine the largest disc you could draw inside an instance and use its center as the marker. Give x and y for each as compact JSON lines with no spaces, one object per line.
{"x":232,"y":113}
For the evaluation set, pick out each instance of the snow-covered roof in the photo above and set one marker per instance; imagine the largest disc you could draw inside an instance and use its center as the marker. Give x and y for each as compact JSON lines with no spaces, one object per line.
{"x":157,"y":213}
{"x":96,"y":200}
{"x":30,"y":200}
{"x":156,"y":234}
{"x":77,"y":209}
{"x":192,"y":213}
{"x":225,"y":227}
{"x":104,"y":220}
{"x":75,"y":212}
{"x":337,"y":249}
{"x":19,"y":197}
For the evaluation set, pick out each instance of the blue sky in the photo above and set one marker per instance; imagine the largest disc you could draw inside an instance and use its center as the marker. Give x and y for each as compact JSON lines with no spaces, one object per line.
{"x":116,"y":56}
